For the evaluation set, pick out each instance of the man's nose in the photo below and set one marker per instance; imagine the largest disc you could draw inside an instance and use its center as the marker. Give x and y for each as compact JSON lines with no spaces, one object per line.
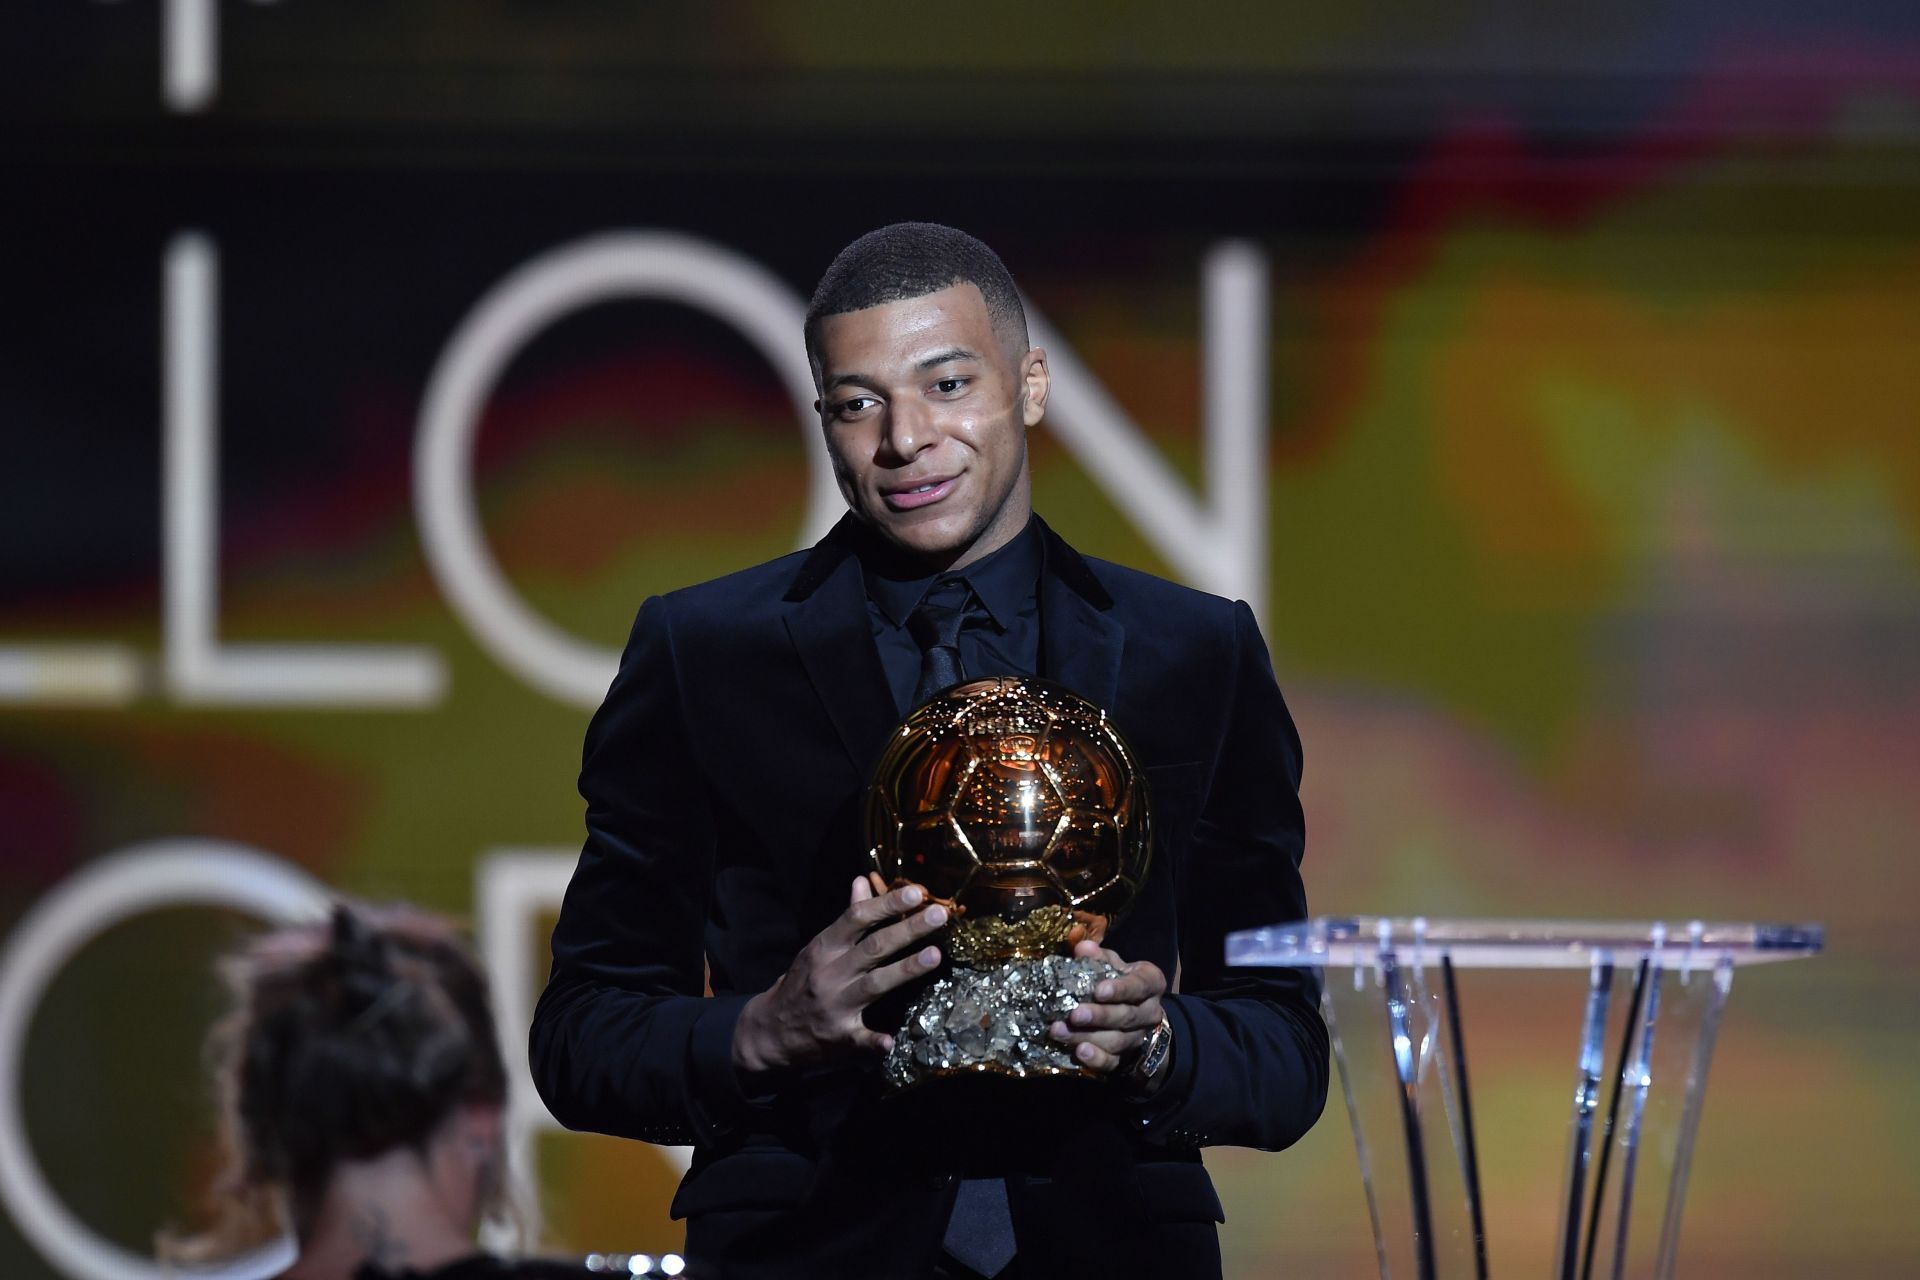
{"x":909,"y":430}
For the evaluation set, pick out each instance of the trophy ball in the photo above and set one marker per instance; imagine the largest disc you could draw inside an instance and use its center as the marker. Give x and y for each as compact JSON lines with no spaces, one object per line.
{"x":1018,"y":804}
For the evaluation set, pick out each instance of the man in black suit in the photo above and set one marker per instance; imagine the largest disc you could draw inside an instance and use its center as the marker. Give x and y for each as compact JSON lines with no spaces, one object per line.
{"x":724,"y":969}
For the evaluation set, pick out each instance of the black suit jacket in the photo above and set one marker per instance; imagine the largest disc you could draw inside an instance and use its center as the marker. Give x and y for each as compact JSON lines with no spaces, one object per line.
{"x":724,"y":776}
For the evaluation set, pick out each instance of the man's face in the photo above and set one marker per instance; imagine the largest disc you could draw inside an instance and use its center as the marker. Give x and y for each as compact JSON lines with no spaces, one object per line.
{"x":926,"y":415}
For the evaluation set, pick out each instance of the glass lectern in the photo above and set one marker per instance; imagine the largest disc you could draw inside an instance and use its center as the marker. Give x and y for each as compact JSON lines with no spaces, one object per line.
{"x":1393,"y":1008}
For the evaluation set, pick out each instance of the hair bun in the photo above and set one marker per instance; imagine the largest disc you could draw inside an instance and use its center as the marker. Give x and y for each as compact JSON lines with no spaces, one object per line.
{"x":362,"y":959}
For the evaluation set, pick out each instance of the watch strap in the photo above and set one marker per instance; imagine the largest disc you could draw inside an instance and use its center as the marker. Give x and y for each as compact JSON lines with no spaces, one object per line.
{"x":1148,"y":1062}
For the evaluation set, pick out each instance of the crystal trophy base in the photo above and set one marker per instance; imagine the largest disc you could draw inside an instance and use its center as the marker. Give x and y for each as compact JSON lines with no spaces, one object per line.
{"x":994,"y":1020}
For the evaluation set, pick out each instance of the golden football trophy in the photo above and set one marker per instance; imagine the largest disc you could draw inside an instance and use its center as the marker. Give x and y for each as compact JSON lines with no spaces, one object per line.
{"x":1020,"y":807}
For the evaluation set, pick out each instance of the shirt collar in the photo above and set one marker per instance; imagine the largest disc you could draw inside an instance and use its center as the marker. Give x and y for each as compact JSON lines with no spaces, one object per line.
{"x":1003,"y":581}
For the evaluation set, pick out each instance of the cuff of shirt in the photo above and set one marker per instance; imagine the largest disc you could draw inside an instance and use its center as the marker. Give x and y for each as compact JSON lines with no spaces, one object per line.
{"x":1157,"y":1111}
{"x":721,"y":1099}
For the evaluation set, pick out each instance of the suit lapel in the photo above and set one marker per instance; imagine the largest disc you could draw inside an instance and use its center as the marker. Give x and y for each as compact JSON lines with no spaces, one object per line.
{"x":1081,"y":638}
{"x":830,"y":632}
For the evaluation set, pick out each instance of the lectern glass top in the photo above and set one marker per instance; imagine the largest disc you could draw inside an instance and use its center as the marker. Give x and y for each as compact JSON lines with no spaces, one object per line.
{"x":1344,"y":941}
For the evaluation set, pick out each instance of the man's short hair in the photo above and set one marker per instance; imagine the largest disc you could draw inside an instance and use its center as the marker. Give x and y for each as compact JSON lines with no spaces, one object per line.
{"x":910,"y":260}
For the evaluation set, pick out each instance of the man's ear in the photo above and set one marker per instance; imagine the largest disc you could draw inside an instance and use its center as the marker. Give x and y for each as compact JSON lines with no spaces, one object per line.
{"x":816,"y":404}
{"x":1037,"y":382}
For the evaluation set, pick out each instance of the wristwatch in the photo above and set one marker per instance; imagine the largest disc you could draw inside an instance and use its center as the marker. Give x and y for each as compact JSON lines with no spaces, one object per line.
{"x":1141,"y":1071}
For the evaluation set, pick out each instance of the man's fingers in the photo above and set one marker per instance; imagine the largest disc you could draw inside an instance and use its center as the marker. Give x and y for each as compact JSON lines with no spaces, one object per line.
{"x":878,"y":946}
{"x":862,"y":916}
{"x":1117,"y":1043}
{"x":865,"y":1038}
{"x":1137,"y":985}
{"x":1090,"y":1016}
{"x":879,"y":885}
{"x":874,"y":983}
{"x":862,"y":889}
{"x":1088,"y":949}
{"x":1089,"y":1054}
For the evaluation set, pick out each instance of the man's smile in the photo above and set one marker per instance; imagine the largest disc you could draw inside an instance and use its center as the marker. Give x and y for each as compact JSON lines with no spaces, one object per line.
{"x":920,"y":494}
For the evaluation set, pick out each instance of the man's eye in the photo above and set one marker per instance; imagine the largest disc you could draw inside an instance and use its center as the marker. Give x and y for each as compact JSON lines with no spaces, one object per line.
{"x":856,"y":404}
{"x":947,"y":386}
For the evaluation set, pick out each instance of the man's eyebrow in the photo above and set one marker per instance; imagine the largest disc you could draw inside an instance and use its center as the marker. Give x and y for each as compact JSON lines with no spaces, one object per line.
{"x":945,"y":357}
{"x":935,"y":360}
{"x":839,"y":380}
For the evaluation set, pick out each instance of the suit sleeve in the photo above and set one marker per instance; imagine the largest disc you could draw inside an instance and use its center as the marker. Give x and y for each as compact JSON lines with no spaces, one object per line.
{"x":623,"y":1040}
{"x":1250,"y":1061}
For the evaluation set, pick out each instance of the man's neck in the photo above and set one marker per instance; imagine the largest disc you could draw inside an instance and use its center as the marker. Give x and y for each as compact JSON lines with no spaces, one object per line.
{"x":896,"y":561}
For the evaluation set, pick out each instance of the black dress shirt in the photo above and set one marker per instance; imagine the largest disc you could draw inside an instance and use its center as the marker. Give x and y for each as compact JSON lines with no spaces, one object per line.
{"x":1003,"y":639}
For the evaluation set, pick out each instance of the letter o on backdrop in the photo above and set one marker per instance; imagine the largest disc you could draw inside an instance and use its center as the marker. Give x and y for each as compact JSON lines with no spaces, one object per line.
{"x":630,"y":264}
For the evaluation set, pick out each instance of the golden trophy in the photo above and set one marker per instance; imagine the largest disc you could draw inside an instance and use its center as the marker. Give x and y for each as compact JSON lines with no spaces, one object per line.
{"x":1019,"y":806}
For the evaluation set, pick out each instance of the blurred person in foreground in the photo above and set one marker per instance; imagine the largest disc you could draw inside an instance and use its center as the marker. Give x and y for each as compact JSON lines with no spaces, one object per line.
{"x":361,"y":1089}
{"x":725,"y":775}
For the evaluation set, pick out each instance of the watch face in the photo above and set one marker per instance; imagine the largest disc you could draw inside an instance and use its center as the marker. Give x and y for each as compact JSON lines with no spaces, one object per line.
{"x":1153,"y":1052}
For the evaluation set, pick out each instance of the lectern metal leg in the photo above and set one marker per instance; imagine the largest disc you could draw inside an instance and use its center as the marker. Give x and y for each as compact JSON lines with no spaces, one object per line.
{"x":1720,"y":982}
{"x":1667,"y":1031}
{"x":1399,"y":1042}
{"x":1356,"y":1117}
{"x":1604,"y":1151}
{"x":1586,"y":1099}
{"x":1469,"y":1152}
{"x":1401,"y":1037}
{"x":1637,"y":1077}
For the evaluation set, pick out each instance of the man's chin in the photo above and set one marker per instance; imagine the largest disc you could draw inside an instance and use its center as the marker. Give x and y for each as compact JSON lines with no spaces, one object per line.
{"x":931,"y":540}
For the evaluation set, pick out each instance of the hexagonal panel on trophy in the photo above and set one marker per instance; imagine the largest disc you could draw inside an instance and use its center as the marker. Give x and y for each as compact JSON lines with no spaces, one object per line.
{"x":1087,"y":772}
{"x":1007,"y":806}
{"x":1087,"y":857}
{"x":927,"y":773}
{"x":930,"y":852}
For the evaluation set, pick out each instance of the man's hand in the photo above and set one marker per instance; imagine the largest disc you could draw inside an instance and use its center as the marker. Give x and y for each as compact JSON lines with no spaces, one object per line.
{"x":1108,"y":1028}
{"x":812,"y":1013}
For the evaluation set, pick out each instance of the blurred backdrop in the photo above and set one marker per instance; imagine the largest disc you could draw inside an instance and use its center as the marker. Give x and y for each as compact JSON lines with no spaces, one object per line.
{"x":1549,"y":375}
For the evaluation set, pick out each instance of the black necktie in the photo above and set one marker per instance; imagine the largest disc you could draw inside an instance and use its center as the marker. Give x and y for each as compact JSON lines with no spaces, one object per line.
{"x":980,"y":1232}
{"x":935,"y":627}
